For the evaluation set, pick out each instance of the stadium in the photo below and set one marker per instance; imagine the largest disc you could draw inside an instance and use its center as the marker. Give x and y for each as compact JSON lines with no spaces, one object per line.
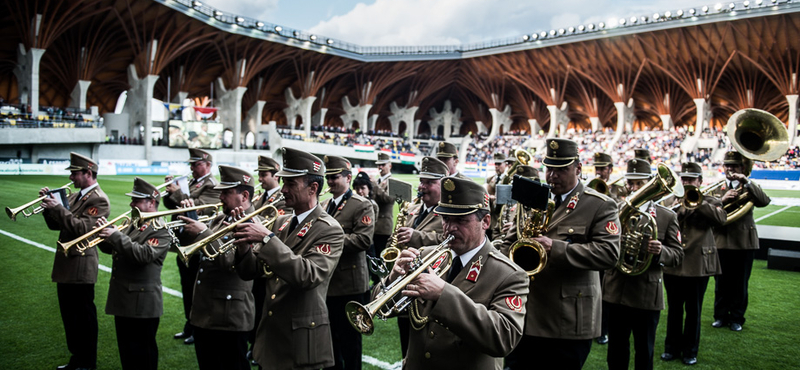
{"x":133,"y":84}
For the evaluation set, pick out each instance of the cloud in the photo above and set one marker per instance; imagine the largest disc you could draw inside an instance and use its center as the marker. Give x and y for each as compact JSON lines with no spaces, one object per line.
{"x":257,"y":9}
{"x":447,"y":22}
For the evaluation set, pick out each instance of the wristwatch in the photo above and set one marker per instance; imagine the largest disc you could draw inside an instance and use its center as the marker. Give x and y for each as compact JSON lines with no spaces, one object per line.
{"x":268,"y":237}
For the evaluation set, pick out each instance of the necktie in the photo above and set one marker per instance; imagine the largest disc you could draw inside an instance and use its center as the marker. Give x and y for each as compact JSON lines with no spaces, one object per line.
{"x":454,"y":270}
{"x":558,"y":201}
{"x":421,"y":217}
{"x":294,"y":223}
{"x":331,"y":207}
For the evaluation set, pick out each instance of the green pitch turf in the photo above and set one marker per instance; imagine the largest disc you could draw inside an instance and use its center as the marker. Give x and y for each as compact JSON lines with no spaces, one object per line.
{"x":32,"y":336}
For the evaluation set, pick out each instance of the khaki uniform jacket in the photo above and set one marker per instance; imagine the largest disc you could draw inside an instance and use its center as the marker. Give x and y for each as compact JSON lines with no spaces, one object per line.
{"x":138,"y":255}
{"x":699,"y":248}
{"x":222,"y":300}
{"x":495,"y":209}
{"x":618,"y":192}
{"x":472,"y":324}
{"x":201,"y":192}
{"x":461,"y":176}
{"x":294,"y":332}
{"x":280,"y":204}
{"x":76,"y":267}
{"x":385,"y":223}
{"x":430,"y":230}
{"x":356,"y":217}
{"x":565,"y":297}
{"x":742,"y":234}
{"x":646,"y":291}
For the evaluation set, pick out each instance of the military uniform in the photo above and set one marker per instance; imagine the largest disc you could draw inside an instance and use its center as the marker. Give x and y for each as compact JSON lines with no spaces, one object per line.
{"x":565,"y":296}
{"x":686,"y":284}
{"x":427,"y":231}
{"x":223,"y":308}
{"x":508,"y":212}
{"x":491,"y":187}
{"x":384,"y":225}
{"x":737,"y":243}
{"x":134,"y":291}
{"x":294,"y":332}
{"x":76,"y":272}
{"x":446,"y":151}
{"x":350,"y":280}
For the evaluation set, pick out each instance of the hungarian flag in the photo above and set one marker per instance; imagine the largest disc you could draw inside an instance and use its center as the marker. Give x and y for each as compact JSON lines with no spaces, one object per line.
{"x":205,"y":112}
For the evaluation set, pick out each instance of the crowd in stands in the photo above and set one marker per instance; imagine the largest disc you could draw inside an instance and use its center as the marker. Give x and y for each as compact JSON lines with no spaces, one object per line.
{"x":12,"y":115}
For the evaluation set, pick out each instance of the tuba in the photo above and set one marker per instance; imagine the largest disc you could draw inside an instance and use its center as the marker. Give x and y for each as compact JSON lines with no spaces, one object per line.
{"x":759,"y":136}
{"x":390,"y":300}
{"x":639,"y":227}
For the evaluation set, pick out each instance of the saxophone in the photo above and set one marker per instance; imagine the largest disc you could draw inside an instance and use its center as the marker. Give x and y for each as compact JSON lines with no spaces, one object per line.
{"x":383,"y":265}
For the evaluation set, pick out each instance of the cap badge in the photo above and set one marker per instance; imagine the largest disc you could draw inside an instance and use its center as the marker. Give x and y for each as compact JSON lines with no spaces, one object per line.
{"x":441,"y":145}
{"x":317,"y":165}
{"x":325,"y":159}
{"x":155,"y":193}
{"x":449,"y":185}
{"x":246,"y":178}
{"x":514,"y":303}
{"x":205,"y":156}
{"x":554,"y":145}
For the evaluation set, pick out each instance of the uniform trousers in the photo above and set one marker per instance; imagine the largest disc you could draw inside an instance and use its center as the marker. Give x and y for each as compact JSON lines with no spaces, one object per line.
{"x":221,"y":349}
{"x":549,"y":353}
{"x":136,"y":339}
{"x":188,"y":276}
{"x":346,"y":340}
{"x":79,"y":315}
{"x":259,"y":294}
{"x":604,"y":311}
{"x":403,"y":325}
{"x":624,"y":321}
{"x":730,"y":292}
{"x":684,"y":293}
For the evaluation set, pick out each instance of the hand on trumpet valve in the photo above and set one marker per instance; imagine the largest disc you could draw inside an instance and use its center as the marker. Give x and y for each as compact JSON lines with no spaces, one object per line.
{"x":49,"y":201}
{"x":428,"y":286}
{"x":43,"y":191}
{"x":187,"y":203}
{"x":236,"y":214}
{"x":250,"y":232}
{"x":654,"y":247}
{"x":403,"y":262}
{"x":404,"y":234}
{"x":193,"y":227}
{"x":107,"y":231}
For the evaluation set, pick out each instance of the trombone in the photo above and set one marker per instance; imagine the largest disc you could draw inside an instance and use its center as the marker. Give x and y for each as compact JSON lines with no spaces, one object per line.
{"x":12,"y":212}
{"x":88,"y":240}
{"x":188,"y":251}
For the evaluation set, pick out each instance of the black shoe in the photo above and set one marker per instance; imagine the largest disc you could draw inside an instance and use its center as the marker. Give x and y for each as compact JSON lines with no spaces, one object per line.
{"x":181,"y":335}
{"x":690,"y":360}
{"x":603,"y":339}
{"x":736,"y":327}
{"x":189,"y":340}
{"x":66,"y":367}
{"x":719,"y":324}
{"x":666,"y":356}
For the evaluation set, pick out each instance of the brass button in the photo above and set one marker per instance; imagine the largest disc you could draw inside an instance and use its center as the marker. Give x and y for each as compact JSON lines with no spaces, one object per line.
{"x":228,"y":297}
{"x":201,"y":270}
{"x":198,"y":282}
{"x":313,"y":324}
{"x":427,"y":355}
{"x":269,"y":313}
{"x":354,"y":266}
{"x":273,"y":296}
{"x":571,"y":231}
{"x":432,"y":334}
{"x":141,"y":289}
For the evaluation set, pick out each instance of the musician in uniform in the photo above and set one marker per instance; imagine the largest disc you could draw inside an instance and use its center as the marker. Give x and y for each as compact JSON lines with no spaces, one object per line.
{"x":582,"y":238}
{"x":603,"y":167}
{"x":301,"y":252}
{"x":384,"y":225}
{"x":75,"y":273}
{"x":448,"y":154}
{"x":508,"y":212}
{"x":476,"y":314}
{"x":223,"y":310}
{"x":267,"y":170}
{"x":423,"y":226}
{"x":635,"y":301}
{"x":350,"y":281}
{"x":737,"y":243}
{"x":500,"y":167}
{"x":686,"y":284}
{"x":134,"y":291}
{"x":201,"y":191}
{"x":643,"y":154}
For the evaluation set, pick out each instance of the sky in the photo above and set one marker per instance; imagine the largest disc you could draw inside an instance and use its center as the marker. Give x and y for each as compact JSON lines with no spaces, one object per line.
{"x":440,"y":22}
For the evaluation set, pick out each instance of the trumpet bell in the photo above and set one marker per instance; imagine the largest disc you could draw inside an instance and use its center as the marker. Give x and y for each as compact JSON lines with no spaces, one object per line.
{"x":758,"y":134}
{"x":599,"y":185}
{"x":360,"y":317}
{"x":530,"y":255}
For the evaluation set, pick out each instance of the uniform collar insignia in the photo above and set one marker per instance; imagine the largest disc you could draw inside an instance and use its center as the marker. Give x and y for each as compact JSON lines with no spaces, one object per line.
{"x":475,"y":270}
{"x":286,"y":223}
{"x":573,"y":202}
{"x":304,"y":230}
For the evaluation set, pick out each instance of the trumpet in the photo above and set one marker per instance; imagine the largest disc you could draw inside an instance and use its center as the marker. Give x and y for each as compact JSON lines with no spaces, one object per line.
{"x":139,"y":216}
{"x":229,"y":245}
{"x":693,"y":196}
{"x":390,"y":299}
{"x":12,"y":212}
{"x":601,"y":186}
{"x":180,"y":223}
{"x":88,"y":240}
{"x":186,"y":252}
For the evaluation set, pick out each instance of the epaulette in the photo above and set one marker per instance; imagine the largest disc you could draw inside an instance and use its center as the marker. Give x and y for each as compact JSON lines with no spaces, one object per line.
{"x":497,"y":256}
{"x":600,"y":195}
{"x":326,"y":220}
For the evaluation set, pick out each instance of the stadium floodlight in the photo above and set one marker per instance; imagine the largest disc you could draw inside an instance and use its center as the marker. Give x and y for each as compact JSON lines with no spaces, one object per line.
{"x":601,"y":25}
{"x":656,"y":17}
{"x":552,"y":32}
{"x":312,"y":37}
{"x":746,"y":3}
{"x":731,"y":6}
{"x":197,"y":4}
{"x":692,"y":11}
{"x":590,"y":26}
{"x":634,"y":20}
{"x":296,"y":33}
{"x":718,"y":7}
{"x":644,"y":19}
{"x":705,"y":8}
{"x":543,"y":34}
{"x":329,"y":41}
{"x":525,"y":37}
{"x":561,"y":31}
{"x":581,"y":28}
{"x":759,"y":2}
{"x":668,"y":14}
{"x":679,"y":13}
{"x":571,"y":30}
{"x":259,"y":24}
{"x":622,"y":21}
{"x":278,"y":28}
{"x":774,"y":1}
{"x":535,"y":36}
{"x":239,"y":19}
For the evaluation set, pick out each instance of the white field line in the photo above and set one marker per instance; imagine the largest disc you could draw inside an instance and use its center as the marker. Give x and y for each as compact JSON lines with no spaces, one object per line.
{"x":773,"y":213}
{"x":368,"y":359}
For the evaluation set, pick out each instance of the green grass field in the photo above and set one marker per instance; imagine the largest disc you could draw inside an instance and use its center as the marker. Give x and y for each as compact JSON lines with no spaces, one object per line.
{"x":32,"y":337}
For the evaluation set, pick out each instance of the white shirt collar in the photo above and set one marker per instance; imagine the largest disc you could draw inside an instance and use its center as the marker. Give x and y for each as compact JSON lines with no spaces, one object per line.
{"x":301,"y":217}
{"x":564,"y":196}
{"x":467,"y":256}
{"x":383,"y":178}
{"x":338,"y":199}
{"x":87,"y":190}
{"x":272,"y":191}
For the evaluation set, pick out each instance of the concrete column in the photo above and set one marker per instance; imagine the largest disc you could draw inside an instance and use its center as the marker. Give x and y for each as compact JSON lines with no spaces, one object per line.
{"x":558,"y":120}
{"x":180,"y":97}
{"x":27,"y":73}
{"x":481,"y":128}
{"x":595,"y":121}
{"x":448,"y":118}
{"x":358,"y":113}
{"x":319,"y":118}
{"x":253,"y":118}
{"x":298,"y":107}
{"x":78,"y":96}
{"x":792,"y":124}
{"x":405,"y":114}
{"x":703,"y":115}
{"x":500,"y":119}
{"x":230,"y":110}
{"x":625,"y":116}
{"x":534,"y":126}
{"x":373,"y":120}
{"x":139,"y":106}
{"x":666,"y":122}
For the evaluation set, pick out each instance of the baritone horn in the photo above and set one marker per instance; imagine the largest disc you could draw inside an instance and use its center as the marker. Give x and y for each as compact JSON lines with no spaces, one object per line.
{"x":88,"y":240}
{"x":533,"y":198}
{"x":12,"y":212}
{"x":390,"y":300}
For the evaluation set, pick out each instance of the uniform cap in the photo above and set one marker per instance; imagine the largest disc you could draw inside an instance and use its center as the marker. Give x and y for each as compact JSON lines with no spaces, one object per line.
{"x":733,"y":157}
{"x":231,"y":177}
{"x":433,"y":168}
{"x":461,"y":197}
{"x":691,"y":169}
{"x":560,"y":152}
{"x":602,"y":160}
{"x":78,"y":162}
{"x":299,"y":163}
{"x":527,"y":171}
{"x":335,"y":164}
{"x":446,"y":150}
{"x":267,"y":164}
{"x":383,"y":158}
{"x":643,"y":154}
{"x":499,"y":158}
{"x":143,"y":189}
{"x":197,"y":155}
{"x":638,"y":169}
